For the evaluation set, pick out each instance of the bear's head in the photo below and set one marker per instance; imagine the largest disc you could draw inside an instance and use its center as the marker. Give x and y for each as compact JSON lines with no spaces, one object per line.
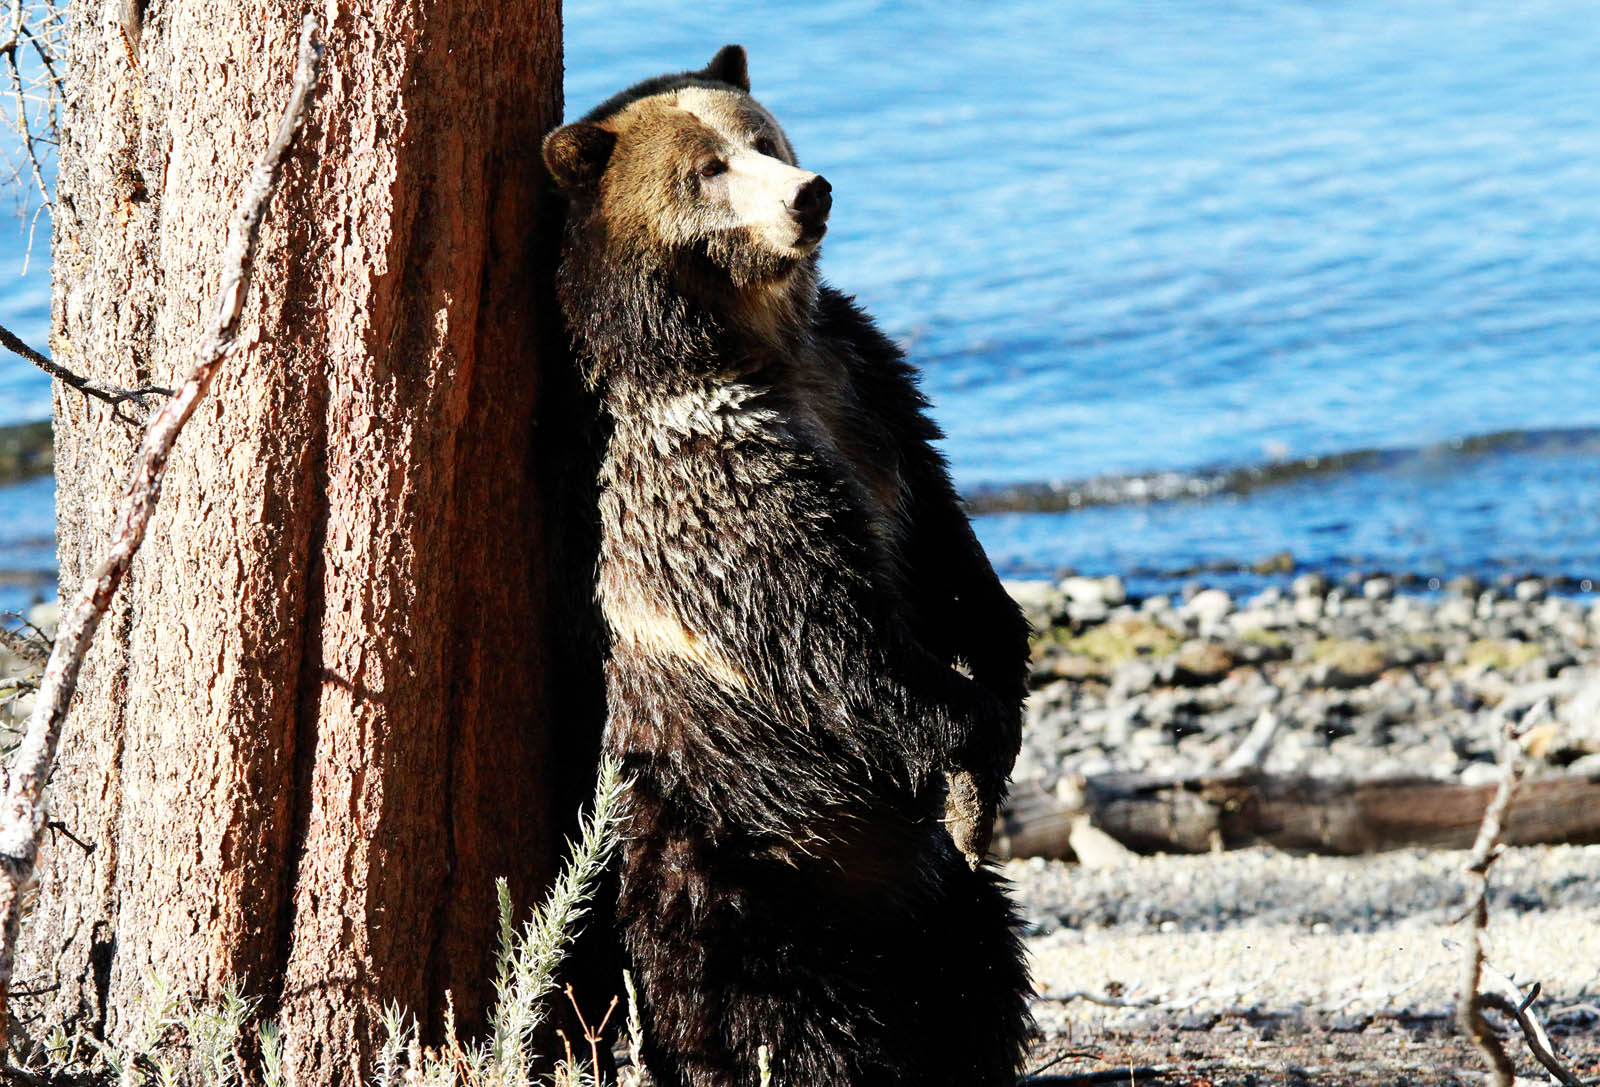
{"x":688,"y":177}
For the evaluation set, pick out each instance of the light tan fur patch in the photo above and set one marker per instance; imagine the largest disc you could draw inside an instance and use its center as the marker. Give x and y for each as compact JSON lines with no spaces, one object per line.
{"x":652,"y":631}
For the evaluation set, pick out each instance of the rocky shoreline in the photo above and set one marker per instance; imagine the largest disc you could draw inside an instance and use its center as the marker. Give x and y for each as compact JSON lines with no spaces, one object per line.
{"x":26,"y":451}
{"x":1350,"y":681}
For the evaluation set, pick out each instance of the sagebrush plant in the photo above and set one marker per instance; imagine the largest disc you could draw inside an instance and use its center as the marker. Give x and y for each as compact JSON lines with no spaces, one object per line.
{"x":182,"y":1043}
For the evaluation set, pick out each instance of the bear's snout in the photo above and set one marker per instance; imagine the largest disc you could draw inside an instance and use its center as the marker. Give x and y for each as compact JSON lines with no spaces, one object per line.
{"x":810,"y":203}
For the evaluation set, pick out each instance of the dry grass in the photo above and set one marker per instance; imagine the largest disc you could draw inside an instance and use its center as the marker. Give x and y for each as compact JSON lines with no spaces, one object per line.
{"x":180,"y":1042}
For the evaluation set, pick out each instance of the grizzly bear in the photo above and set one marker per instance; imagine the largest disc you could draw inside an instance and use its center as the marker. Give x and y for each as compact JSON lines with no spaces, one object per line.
{"x":789,"y":584}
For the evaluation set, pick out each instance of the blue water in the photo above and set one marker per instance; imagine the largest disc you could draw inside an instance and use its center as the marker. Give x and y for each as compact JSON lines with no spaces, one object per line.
{"x":1134,"y":236}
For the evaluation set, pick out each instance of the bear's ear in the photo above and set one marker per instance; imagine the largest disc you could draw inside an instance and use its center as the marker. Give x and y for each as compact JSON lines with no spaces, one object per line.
{"x":730,"y":65}
{"x":576,"y":154}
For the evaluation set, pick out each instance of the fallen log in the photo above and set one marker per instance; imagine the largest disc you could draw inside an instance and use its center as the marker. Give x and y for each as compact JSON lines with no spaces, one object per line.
{"x":1204,"y":813}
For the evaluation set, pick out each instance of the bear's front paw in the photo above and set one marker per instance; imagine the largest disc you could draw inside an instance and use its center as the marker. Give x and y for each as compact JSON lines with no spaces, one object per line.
{"x":969,"y":813}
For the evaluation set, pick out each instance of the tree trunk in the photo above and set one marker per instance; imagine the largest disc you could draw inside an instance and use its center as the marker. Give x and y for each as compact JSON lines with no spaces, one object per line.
{"x":314,"y":728}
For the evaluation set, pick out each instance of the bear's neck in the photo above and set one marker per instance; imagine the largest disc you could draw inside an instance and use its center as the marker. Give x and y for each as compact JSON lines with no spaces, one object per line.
{"x":643,"y":329}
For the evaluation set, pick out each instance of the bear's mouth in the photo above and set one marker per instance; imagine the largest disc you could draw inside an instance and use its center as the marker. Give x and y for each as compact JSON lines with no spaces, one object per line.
{"x":810,"y":238}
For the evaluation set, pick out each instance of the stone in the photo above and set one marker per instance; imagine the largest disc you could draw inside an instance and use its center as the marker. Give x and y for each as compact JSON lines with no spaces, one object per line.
{"x":1200,"y":663}
{"x":1040,"y":601}
{"x":1209,"y":606}
{"x":1109,"y":591}
{"x":1133,"y":676}
{"x":1378,"y":588}
{"x":1481,"y":773}
{"x":1345,"y":664}
{"x":1530,"y":590}
{"x":1094,"y":847}
{"x":1455,"y":612}
{"x":1307,"y":585}
{"x":1307,"y":610}
{"x":1086,"y":612}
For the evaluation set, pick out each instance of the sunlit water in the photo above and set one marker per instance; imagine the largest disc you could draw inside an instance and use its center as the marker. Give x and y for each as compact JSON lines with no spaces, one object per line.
{"x":1127,"y":237}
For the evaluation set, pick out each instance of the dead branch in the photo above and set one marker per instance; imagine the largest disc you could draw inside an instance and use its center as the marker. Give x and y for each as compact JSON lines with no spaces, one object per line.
{"x":1507,"y":998}
{"x":1469,"y":1009}
{"x":1345,"y":818}
{"x":20,"y":33}
{"x":114,"y":395}
{"x":9,"y":50}
{"x":1250,"y":753}
{"x":22,"y":620}
{"x":23,"y":646}
{"x":22,"y":813}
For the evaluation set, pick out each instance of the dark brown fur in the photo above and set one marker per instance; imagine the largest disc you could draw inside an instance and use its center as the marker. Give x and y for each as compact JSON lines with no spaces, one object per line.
{"x":787,"y":578}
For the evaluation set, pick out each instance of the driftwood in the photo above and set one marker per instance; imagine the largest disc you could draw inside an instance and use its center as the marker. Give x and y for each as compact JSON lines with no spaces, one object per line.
{"x":1200,"y":814}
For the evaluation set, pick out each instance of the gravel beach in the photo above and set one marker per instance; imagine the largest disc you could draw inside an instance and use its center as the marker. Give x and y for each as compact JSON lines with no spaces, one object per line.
{"x":1247,"y":966}
{"x":1355,"y":681}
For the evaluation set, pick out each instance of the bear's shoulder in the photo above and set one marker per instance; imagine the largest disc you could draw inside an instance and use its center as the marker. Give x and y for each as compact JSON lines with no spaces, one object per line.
{"x":877,"y":367}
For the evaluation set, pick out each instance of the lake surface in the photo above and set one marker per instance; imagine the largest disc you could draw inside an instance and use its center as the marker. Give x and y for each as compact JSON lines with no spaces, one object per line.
{"x":1131,"y":243}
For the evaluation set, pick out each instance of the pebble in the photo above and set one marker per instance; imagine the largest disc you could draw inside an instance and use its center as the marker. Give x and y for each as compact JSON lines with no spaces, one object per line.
{"x":1530,"y":590}
{"x":1378,"y":588}
{"x":1209,"y":606}
{"x":1109,"y":591}
{"x":1310,"y":585}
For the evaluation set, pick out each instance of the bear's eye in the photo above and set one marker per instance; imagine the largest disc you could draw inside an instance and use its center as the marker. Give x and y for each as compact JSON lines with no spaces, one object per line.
{"x":711,"y":168}
{"x":766,"y":145}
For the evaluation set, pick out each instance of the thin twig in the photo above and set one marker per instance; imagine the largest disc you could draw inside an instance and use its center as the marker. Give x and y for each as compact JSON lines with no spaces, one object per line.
{"x":22,"y":815}
{"x":23,"y":646}
{"x":1487,"y":848}
{"x":1505,"y":997}
{"x":21,"y":119}
{"x":114,"y":395}
{"x":48,"y":642}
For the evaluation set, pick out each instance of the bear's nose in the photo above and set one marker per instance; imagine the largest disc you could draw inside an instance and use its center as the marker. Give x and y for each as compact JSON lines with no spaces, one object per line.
{"x":812,"y":201}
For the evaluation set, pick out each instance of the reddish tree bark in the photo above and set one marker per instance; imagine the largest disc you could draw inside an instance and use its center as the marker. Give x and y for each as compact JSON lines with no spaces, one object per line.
{"x":315,"y":726}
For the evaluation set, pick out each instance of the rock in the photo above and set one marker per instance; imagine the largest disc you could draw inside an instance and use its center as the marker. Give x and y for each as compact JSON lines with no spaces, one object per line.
{"x":1133,"y":676}
{"x":1259,"y":646}
{"x":1343,"y":664}
{"x":1094,"y":847}
{"x":1061,"y":664}
{"x":1583,"y":714}
{"x":1378,"y":588}
{"x":1530,"y":590}
{"x":1281,"y":563}
{"x":1266,"y":598}
{"x":1109,"y":591}
{"x":1087,"y":612}
{"x":1155,"y":605}
{"x":1307,"y":610}
{"x":1308,"y":585}
{"x":1455,"y":612}
{"x":1040,"y":601}
{"x":1466,"y":586}
{"x":1208,"y":607}
{"x":1500,"y":655}
{"x":1121,"y":639}
{"x":1200,"y":663}
{"x":1481,"y":773}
